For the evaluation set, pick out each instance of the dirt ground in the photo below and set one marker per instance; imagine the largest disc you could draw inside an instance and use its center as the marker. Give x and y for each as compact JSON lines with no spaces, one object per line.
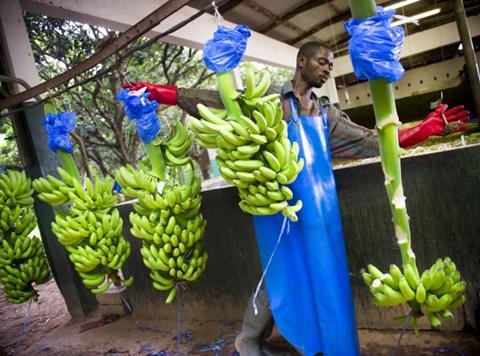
{"x":50,"y":331}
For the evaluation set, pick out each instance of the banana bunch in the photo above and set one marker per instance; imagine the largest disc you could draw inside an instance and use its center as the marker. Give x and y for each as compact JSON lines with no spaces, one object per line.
{"x":167,"y":218}
{"x":22,"y":258}
{"x":177,"y":146}
{"x":90,"y":229}
{"x":432,"y":294}
{"x":253,"y":153}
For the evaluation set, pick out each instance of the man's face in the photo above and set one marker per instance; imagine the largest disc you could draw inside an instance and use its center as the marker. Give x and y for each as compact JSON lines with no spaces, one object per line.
{"x":315,"y":70}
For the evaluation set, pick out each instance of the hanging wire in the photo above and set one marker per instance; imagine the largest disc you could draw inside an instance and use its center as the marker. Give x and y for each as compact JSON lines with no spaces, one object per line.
{"x":286,"y":223}
{"x":335,"y":43}
{"x":24,"y":327}
{"x":105,"y":71}
{"x":179,"y":325}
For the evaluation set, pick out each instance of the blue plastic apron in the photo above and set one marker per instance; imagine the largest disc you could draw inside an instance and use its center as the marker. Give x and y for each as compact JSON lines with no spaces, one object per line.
{"x":308,"y":279}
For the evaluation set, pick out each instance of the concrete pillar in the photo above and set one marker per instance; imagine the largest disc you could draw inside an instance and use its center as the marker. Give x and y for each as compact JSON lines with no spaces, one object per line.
{"x":37,"y":157}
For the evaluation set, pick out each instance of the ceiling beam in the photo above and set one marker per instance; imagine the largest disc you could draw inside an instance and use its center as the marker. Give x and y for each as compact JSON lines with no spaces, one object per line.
{"x":133,"y":33}
{"x":267,"y":13}
{"x":119,"y":15}
{"x":339,"y":17}
{"x":290,"y":13}
{"x":418,"y":43}
{"x":228,"y":6}
{"x":341,"y":42}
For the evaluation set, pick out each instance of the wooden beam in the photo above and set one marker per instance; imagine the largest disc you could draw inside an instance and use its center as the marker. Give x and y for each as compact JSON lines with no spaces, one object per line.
{"x":291,"y":13}
{"x":342,"y":16}
{"x":133,"y":33}
{"x":228,"y":6}
{"x":267,"y":13}
{"x":312,"y":30}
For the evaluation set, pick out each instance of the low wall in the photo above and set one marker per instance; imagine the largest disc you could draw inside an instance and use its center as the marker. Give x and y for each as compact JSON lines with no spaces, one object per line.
{"x":442,"y":192}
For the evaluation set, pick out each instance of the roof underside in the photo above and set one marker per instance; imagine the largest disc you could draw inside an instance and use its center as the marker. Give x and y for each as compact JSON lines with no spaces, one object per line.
{"x":298,"y":21}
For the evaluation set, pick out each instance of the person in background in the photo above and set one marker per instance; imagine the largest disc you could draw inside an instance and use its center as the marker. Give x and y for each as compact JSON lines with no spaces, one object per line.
{"x":347,"y":140}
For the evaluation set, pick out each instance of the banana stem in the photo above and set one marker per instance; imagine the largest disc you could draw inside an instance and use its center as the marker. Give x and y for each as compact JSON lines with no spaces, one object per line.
{"x":68,"y":164}
{"x":227,"y":90}
{"x":113,"y":274}
{"x":387,"y":124}
{"x":156,"y":159}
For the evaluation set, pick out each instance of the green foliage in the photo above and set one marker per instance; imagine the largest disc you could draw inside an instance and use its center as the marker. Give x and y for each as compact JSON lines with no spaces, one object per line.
{"x":59,"y":45}
{"x":110,"y":139}
{"x":8,"y":150}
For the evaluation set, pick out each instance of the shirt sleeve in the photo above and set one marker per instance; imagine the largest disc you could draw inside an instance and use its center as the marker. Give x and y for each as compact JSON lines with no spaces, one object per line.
{"x":188,"y":98}
{"x":349,"y":140}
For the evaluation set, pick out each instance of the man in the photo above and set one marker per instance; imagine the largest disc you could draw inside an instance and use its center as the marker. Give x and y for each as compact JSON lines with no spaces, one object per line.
{"x":347,"y":140}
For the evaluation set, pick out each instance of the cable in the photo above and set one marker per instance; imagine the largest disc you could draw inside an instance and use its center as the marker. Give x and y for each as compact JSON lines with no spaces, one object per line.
{"x":126,"y":55}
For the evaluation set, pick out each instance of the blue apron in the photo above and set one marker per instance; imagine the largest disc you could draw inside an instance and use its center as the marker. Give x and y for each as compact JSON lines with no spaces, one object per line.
{"x":308,"y":279}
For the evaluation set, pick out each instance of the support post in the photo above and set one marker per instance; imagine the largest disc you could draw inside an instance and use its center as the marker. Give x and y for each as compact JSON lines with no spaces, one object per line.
{"x":469,"y":52}
{"x":41,"y":161}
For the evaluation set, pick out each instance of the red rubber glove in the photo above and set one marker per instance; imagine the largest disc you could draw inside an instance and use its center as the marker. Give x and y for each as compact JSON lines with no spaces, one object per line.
{"x":162,"y":94}
{"x":438,"y":123}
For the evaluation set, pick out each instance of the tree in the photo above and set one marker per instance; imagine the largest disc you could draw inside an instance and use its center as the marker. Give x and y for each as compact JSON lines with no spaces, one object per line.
{"x":59,"y":45}
{"x":8,"y":150}
{"x":109,"y":138}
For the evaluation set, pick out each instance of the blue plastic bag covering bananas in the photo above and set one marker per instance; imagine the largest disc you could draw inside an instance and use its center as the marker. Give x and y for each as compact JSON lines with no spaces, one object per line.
{"x":138,"y":107}
{"x":224,"y":52}
{"x":58,"y":126}
{"x":375,"y":46}
{"x":308,"y":280}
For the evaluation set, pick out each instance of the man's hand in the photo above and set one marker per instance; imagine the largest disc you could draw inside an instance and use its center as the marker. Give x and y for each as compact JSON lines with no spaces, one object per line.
{"x":163,"y":94}
{"x":438,"y":123}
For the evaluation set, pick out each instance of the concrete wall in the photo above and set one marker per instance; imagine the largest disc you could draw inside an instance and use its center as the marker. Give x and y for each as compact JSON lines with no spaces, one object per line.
{"x":443,"y":196}
{"x":427,"y":79}
{"x":413,"y":108}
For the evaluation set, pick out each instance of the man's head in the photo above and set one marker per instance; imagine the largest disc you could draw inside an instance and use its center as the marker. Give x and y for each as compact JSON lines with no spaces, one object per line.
{"x":314,"y":63}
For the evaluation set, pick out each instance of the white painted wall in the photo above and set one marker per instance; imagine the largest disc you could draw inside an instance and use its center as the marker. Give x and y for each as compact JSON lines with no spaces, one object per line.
{"x":433,"y":77}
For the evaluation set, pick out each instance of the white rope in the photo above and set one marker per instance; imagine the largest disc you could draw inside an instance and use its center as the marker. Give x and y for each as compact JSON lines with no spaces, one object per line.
{"x":257,"y":290}
{"x":218,"y":16}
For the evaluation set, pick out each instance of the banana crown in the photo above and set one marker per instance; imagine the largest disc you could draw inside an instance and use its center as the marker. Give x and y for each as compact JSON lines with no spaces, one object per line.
{"x":433,"y":293}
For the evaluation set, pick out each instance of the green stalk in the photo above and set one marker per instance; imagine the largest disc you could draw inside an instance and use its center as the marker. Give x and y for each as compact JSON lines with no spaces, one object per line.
{"x":68,"y":164}
{"x":156,"y":159}
{"x":387,"y":124}
{"x":228,"y":93}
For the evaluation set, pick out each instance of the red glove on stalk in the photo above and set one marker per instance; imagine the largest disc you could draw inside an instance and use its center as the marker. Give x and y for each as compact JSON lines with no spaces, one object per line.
{"x":438,"y":123}
{"x":163,"y":94}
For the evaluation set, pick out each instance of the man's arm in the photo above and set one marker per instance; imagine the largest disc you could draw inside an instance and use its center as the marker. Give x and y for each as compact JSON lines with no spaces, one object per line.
{"x":186,"y":98}
{"x":348,"y":139}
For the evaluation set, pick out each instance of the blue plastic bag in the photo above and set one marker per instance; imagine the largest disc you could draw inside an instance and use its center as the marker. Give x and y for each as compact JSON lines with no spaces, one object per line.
{"x":308,"y":281}
{"x":375,"y":46}
{"x":224,"y":52}
{"x":58,"y":126}
{"x":140,"y":108}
